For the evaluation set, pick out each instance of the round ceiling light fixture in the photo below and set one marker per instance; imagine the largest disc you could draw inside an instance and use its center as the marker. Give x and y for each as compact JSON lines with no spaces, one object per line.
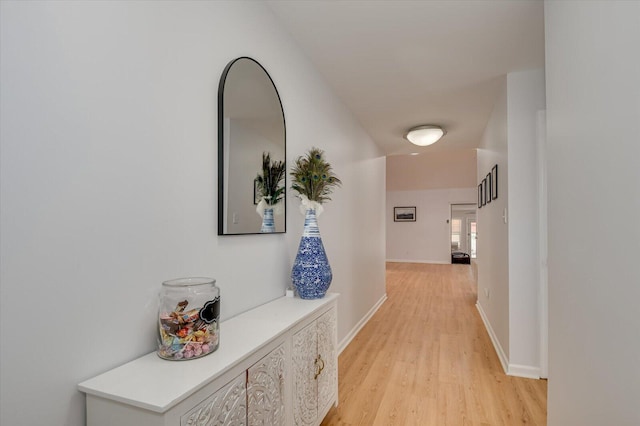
{"x":425,"y":135}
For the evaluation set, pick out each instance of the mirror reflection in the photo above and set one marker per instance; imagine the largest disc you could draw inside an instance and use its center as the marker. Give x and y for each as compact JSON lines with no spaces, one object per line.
{"x":251,"y":151}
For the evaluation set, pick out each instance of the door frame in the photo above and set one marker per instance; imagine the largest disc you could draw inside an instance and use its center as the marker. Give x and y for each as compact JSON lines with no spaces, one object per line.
{"x":469,"y":222}
{"x":543,"y":293}
{"x":461,"y":203}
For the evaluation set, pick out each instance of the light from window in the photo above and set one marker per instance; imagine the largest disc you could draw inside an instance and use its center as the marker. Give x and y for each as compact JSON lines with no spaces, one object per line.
{"x":456,"y":226}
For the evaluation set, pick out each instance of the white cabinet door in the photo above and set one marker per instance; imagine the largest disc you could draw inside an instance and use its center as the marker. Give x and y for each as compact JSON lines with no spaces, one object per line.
{"x":265,"y":390}
{"x":327,"y":353}
{"x":315,"y":369}
{"x":305,"y":392}
{"x":226,"y":407}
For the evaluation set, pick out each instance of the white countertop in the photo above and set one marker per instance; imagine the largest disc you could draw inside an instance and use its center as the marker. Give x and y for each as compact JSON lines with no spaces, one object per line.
{"x":156,"y":384}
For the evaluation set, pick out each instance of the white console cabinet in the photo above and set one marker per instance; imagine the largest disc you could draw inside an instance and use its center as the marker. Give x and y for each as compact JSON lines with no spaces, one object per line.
{"x":276,"y":365}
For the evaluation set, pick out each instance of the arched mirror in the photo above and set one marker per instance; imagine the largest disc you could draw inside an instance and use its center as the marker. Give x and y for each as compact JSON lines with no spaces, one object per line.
{"x":251,"y":151}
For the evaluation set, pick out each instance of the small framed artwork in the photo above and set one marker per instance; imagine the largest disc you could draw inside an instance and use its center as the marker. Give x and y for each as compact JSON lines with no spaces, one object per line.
{"x":256,"y":192}
{"x":404,"y":214}
{"x":484,"y":191}
{"x":480,"y":196}
{"x":489,"y":187}
{"x":494,"y":182}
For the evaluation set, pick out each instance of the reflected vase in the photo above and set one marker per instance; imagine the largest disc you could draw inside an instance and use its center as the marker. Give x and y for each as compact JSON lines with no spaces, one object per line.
{"x":311,"y":273}
{"x":267,"y":221}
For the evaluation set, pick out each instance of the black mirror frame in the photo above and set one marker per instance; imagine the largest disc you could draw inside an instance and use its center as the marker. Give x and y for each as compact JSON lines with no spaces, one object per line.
{"x":221,"y":84}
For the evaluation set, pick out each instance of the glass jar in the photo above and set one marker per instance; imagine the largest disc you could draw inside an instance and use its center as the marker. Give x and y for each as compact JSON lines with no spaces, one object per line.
{"x":188,"y":318}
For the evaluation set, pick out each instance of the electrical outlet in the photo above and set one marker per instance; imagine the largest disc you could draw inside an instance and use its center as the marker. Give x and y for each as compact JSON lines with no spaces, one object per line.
{"x":486,"y":292}
{"x":235,"y":218}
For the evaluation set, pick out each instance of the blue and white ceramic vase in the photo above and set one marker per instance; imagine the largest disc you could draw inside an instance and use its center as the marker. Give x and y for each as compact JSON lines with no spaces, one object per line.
{"x":311,"y":273}
{"x":267,"y":221}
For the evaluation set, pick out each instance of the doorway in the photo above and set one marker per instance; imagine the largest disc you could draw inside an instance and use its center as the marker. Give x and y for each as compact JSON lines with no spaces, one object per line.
{"x":463,"y":228}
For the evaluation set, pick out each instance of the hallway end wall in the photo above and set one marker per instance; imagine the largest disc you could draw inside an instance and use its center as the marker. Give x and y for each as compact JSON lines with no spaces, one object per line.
{"x":427,"y":240}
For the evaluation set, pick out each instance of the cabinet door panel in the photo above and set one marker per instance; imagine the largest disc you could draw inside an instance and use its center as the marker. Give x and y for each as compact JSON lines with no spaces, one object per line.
{"x":265,"y":390}
{"x":328,"y":378}
{"x":226,"y":407}
{"x":305,"y":406}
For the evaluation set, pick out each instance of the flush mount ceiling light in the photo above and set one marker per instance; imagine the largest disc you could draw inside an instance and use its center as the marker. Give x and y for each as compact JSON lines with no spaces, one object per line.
{"x":425,"y":135}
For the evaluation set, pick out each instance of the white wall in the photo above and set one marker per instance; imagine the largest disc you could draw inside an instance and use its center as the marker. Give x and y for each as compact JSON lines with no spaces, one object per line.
{"x":427,"y":240}
{"x":493,"y":238}
{"x":508,"y":278}
{"x":108,"y":185}
{"x":525,"y":97}
{"x":593,"y":116}
{"x":433,"y":170}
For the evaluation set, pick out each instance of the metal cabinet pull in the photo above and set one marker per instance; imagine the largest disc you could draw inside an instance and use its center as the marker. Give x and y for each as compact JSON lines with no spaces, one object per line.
{"x":319,"y":363}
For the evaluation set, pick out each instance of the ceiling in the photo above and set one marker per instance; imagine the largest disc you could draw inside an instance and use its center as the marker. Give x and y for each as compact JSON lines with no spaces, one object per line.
{"x":399,"y":64}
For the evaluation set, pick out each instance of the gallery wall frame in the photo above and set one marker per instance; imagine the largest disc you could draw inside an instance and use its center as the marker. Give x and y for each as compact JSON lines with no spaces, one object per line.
{"x":484,"y":192}
{"x":488,"y":188}
{"x":404,"y":214}
{"x":494,"y":182}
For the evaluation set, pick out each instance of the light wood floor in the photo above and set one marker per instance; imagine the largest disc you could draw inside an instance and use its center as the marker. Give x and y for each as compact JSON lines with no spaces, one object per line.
{"x":425,"y":358}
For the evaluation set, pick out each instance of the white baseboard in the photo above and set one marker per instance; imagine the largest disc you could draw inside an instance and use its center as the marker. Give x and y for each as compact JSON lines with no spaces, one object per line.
{"x":439,"y":262}
{"x":494,"y":339}
{"x":524,"y":371}
{"x":527,"y":371}
{"x":354,"y":331}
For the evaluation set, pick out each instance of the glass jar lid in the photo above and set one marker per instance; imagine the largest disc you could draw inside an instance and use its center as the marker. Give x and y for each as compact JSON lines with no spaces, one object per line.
{"x":189,"y":282}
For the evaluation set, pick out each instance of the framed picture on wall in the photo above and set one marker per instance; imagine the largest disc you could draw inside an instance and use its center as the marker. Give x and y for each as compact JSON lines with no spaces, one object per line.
{"x":489,"y":187}
{"x":404,"y":214}
{"x":494,"y":182}
{"x":484,"y":191}
{"x":480,"y":196}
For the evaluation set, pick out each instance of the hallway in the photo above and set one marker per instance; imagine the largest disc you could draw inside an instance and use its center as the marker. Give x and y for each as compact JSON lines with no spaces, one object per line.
{"x":425,"y":358}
